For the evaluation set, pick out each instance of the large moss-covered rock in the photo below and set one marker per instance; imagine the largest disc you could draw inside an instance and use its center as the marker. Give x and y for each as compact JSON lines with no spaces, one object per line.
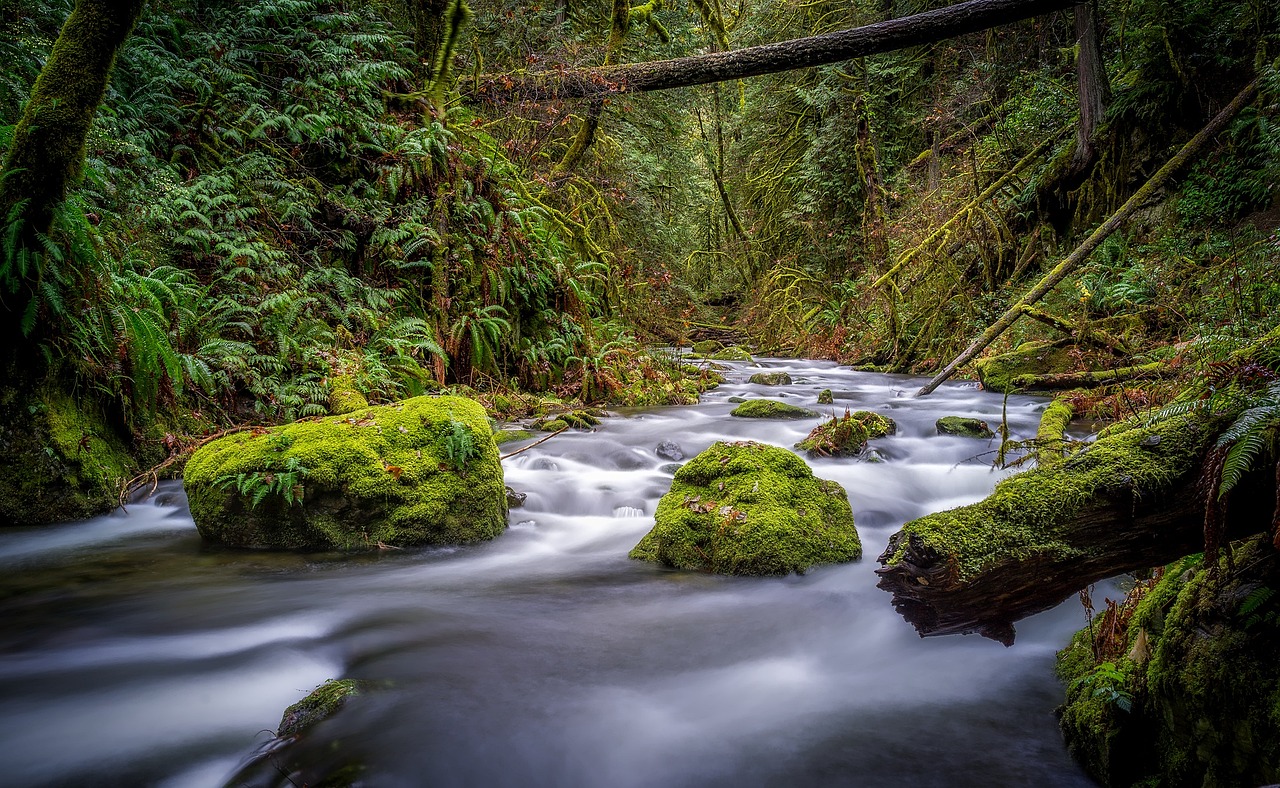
{"x":731,"y":353}
{"x":771,"y":379}
{"x":997,"y":373}
{"x":60,"y":459}
{"x":708,"y":346}
{"x":770,"y":409}
{"x":422,"y":471}
{"x":1196,"y":669}
{"x":847,"y":435}
{"x":750,"y":509}
{"x":963,"y":427}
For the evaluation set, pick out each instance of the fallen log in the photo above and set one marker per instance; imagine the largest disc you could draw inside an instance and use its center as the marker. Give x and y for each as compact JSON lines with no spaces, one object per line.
{"x":1129,"y":501}
{"x":820,"y":50}
{"x":1051,"y":437}
{"x":1055,"y":381}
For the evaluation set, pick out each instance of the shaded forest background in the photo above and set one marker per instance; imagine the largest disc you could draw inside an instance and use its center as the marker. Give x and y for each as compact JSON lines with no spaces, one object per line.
{"x":282,"y":194}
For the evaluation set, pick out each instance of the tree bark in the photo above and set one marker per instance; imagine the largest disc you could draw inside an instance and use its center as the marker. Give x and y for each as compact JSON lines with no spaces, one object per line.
{"x":835,"y":47}
{"x":1058,"y":381}
{"x":1094,"y":88}
{"x":1128,"y":502}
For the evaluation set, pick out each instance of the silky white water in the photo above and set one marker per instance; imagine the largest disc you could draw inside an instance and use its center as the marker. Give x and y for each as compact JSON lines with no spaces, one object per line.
{"x":133,"y":654}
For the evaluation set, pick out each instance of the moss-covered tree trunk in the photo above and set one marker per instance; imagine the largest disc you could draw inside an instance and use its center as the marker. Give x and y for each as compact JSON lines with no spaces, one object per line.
{"x":1095,"y":90}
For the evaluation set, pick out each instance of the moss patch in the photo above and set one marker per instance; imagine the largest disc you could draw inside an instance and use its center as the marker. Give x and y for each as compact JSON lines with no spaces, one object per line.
{"x":964,"y":427}
{"x":771,"y":378}
{"x":422,"y":471}
{"x":59,"y":458}
{"x":511,"y":436}
{"x":323,"y":702}
{"x":707,"y":347}
{"x":770,"y":409}
{"x":825,"y":397}
{"x":1021,"y":518}
{"x":1206,"y":703}
{"x":750,"y":509}
{"x":732,"y":353}
{"x":345,"y":396}
{"x":847,"y":435}
{"x":997,"y":373}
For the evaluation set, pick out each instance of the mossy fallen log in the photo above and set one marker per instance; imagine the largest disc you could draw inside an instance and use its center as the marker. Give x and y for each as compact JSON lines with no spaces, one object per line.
{"x":1127,"y":502}
{"x":1079,"y":380}
{"x":1051,"y":436}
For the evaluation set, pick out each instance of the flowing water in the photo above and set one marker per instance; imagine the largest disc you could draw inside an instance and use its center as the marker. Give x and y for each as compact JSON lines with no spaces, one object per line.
{"x":132,"y":654}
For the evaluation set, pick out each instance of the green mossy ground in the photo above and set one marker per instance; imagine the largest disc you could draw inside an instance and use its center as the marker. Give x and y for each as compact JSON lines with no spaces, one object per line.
{"x":771,"y":379}
{"x":345,"y":396}
{"x":1205,"y":691}
{"x":847,"y":435}
{"x":997,"y":373}
{"x":750,"y":509}
{"x":383,"y":475}
{"x":59,"y":458}
{"x":770,"y":409}
{"x":1022,"y":518}
{"x":963,"y":427}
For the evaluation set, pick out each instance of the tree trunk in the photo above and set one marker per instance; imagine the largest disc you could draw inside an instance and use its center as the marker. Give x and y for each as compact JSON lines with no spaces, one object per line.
{"x":428,"y":19}
{"x":1095,"y":90}
{"x":835,"y":47}
{"x":1130,"y":501}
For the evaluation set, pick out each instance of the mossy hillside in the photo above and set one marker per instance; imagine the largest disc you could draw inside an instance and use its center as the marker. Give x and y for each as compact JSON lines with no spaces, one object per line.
{"x":391,"y":474}
{"x":997,"y":373}
{"x":847,"y":435}
{"x":1205,"y":692}
{"x":1022,"y":517}
{"x":59,"y":458}
{"x":770,"y":409}
{"x":750,"y":509}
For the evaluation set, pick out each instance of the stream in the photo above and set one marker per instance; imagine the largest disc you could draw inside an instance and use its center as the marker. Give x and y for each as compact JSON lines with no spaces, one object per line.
{"x":133,"y":654}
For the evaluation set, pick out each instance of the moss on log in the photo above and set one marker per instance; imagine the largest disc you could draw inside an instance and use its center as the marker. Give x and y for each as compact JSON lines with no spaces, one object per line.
{"x":1127,"y":502}
{"x":1078,"y":380}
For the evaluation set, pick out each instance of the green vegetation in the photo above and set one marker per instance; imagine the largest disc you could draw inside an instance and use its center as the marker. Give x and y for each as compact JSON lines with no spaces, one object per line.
{"x":847,"y":435}
{"x":750,"y":509}
{"x":423,"y":471}
{"x":770,"y":409}
{"x":964,"y":427}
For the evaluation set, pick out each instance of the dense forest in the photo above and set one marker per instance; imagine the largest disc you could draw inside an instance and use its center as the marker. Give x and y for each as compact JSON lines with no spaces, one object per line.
{"x":235,"y":220}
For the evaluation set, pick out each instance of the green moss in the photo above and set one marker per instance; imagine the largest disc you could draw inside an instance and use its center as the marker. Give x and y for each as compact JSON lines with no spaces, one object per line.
{"x":997,"y":373}
{"x":964,"y":427}
{"x":707,"y":347}
{"x":825,"y":397}
{"x":323,"y":702}
{"x":552,"y":425}
{"x":422,"y":471}
{"x":511,"y":436}
{"x":1050,"y":437}
{"x":733,"y":353}
{"x":770,"y":409}
{"x":771,"y":378}
{"x":1206,"y":700}
{"x":345,"y":396}
{"x":582,"y":419}
{"x":1022,"y":517}
{"x":59,"y":458}
{"x":750,"y":509}
{"x":847,"y":435}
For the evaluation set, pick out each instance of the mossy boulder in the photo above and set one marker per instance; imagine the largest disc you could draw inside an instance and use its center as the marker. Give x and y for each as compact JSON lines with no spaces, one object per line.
{"x":323,"y":702}
{"x":825,"y":397}
{"x":847,"y":435}
{"x":731,"y":353}
{"x":998,"y":373}
{"x":422,"y":471}
{"x":770,"y":409}
{"x":707,"y":347}
{"x":750,"y":509}
{"x":345,"y":396}
{"x":582,"y":419}
{"x":771,"y":378}
{"x":1196,"y":664}
{"x":60,"y":458}
{"x":964,"y":427}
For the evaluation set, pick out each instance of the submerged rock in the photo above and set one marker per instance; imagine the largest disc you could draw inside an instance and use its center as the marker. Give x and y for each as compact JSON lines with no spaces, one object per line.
{"x":669,"y":450}
{"x":516,"y":499}
{"x":847,"y":435}
{"x":323,"y":702}
{"x":770,"y":409}
{"x":750,"y":509}
{"x":422,"y":471}
{"x":964,"y":427}
{"x":771,"y":378}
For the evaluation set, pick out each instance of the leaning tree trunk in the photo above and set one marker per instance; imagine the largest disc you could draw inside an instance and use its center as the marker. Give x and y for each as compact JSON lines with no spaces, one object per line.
{"x":1130,"y":501}
{"x":820,"y":50}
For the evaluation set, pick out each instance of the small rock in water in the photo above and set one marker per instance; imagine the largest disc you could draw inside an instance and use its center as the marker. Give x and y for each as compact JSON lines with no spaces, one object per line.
{"x":737,"y":399}
{"x":964,"y":427}
{"x":670,"y":450}
{"x":544,"y":464}
{"x":516,"y":499}
{"x":825,"y":397}
{"x":771,"y":378}
{"x":670,"y":467}
{"x":627,"y":460}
